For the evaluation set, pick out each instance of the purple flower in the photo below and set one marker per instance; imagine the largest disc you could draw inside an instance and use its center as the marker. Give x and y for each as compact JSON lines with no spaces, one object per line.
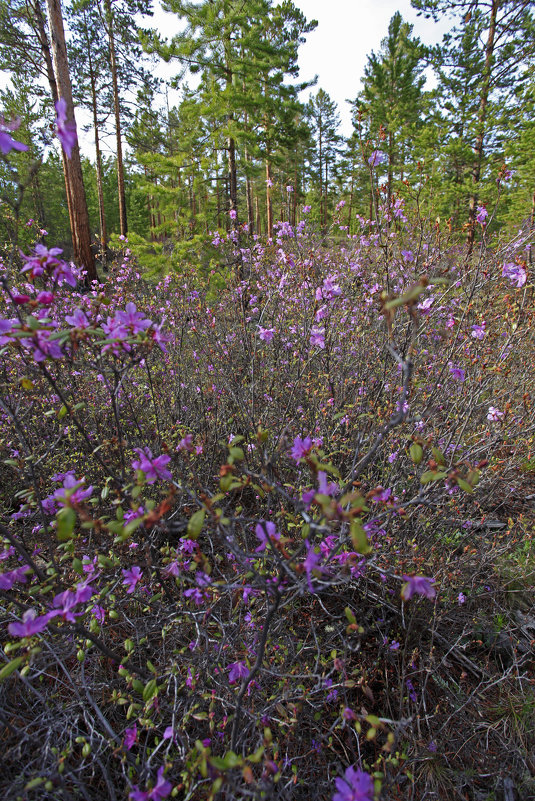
{"x":478,"y":331}
{"x":77,"y":319}
{"x":31,"y":624}
{"x":317,"y":337}
{"x":161,"y":789}
{"x":131,"y":578}
{"x":130,"y":737}
{"x":482,"y":215}
{"x":516,"y":273}
{"x":153,"y":468}
{"x":376,"y":158}
{"x":355,"y":786}
{"x":300,"y":448}
{"x":237,"y":671}
{"x":65,"y":129}
{"x":266,"y":531}
{"x":457,"y":373}
{"x":7,"y":580}
{"x":132,"y":319}
{"x":7,"y":143}
{"x":419,"y":585}
{"x":494,"y":414}
{"x":408,"y":255}
{"x":72,"y":491}
{"x":266,"y":334}
{"x":233,"y":214}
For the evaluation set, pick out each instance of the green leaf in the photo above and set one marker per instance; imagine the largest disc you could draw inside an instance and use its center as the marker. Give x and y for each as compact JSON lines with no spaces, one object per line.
{"x":10,"y":668}
{"x":196,"y":523}
{"x":416,"y":453}
{"x":66,"y":519}
{"x":359,"y":538}
{"x":432,"y":475}
{"x":464,"y":485}
{"x":151,"y":689}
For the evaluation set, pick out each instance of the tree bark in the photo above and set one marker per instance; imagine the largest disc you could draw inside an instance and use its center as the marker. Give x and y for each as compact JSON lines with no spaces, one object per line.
{"x":117,"y":112}
{"x":98,"y":155}
{"x":81,"y":233}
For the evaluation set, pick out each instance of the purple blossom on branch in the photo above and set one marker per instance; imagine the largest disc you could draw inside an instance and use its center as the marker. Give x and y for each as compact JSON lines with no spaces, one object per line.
{"x":31,"y":624}
{"x":161,"y":790}
{"x":65,"y":129}
{"x":516,"y":273}
{"x":376,"y":158}
{"x":355,"y":786}
{"x":419,"y":585}
{"x":154,"y":468}
{"x":7,"y":143}
{"x":131,"y":578}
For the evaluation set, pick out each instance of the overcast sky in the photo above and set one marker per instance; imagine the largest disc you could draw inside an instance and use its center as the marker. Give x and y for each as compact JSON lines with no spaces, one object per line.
{"x":347,"y":32}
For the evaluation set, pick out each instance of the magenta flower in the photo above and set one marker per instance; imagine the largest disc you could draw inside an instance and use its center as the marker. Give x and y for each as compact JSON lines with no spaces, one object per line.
{"x":31,"y":624}
{"x":478,"y":331}
{"x":233,"y":214}
{"x":42,"y":259}
{"x":135,"y":321}
{"x":153,"y":468}
{"x":317,"y":337}
{"x":419,"y":585}
{"x":266,"y":531}
{"x":266,"y":334}
{"x":458,"y":373}
{"x":516,"y":273}
{"x":130,"y":737}
{"x":7,"y":580}
{"x":408,"y":255}
{"x":161,"y":790}
{"x":355,"y":786}
{"x":494,"y":414}
{"x":482,"y":215}
{"x":237,"y":671}
{"x":7,"y":143}
{"x":72,"y":491}
{"x":131,"y":578}
{"x":300,"y":448}
{"x":65,"y":129}
{"x":376,"y":158}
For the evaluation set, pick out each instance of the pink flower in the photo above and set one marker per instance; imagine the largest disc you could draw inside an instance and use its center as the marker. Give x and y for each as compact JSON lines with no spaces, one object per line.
{"x":376,"y":158}
{"x":233,"y":214}
{"x":6,"y":142}
{"x":457,"y":373}
{"x":516,"y":273}
{"x":130,"y":737}
{"x":237,"y":671}
{"x":266,"y":531}
{"x":494,"y":414}
{"x":419,"y":585}
{"x":266,"y":334}
{"x":161,"y":790}
{"x":31,"y":624}
{"x":131,"y":578}
{"x":72,"y":491}
{"x":153,"y":468}
{"x":355,"y":786}
{"x":65,"y":129}
{"x":77,"y":319}
{"x":317,"y":337}
{"x":132,"y":319}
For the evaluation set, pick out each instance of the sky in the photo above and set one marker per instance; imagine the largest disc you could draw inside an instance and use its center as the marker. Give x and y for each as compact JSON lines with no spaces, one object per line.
{"x":336,"y":52}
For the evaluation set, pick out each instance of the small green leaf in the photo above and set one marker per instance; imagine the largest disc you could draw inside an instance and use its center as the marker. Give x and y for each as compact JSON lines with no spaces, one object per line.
{"x":464,"y":485}
{"x":10,"y":668}
{"x":150,"y":690}
{"x":66,"y":519}
{"x":62,"y":412}
{"x":196,"y":523}
{"x":416,"y":453}
{"x":359,"y":538}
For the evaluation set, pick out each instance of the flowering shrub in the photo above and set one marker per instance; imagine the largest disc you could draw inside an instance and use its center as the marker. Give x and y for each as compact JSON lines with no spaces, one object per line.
{"x":230,"y":519}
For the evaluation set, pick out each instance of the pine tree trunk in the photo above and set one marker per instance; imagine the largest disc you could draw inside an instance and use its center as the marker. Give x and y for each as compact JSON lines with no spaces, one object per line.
{"x":45,"y":50}
{"x":269,"y":205}
{"x":480,"y":135}
{"x":117,"y":112}
{"x":81,"y":233}
{"x":232,"y":182}
{"x":98,"y":156}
